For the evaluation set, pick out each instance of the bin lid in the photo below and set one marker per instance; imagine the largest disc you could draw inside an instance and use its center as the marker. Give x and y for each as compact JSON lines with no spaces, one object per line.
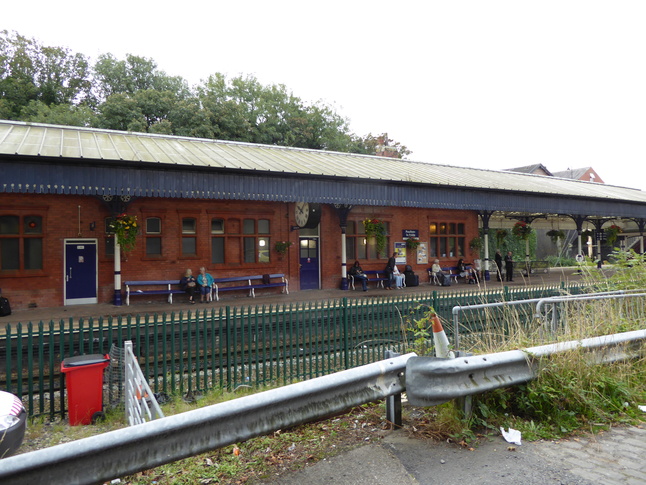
{"x":85,"y":360}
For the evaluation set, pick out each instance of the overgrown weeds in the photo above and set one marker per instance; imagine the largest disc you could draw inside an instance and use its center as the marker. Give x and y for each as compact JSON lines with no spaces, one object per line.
{"x":571,"y":394}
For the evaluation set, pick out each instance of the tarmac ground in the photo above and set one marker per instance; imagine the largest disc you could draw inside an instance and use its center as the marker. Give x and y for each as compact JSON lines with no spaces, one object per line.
{"x":612,"y":458}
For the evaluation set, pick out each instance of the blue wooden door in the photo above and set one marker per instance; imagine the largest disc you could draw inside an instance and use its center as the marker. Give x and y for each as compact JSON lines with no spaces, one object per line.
{"x":80,"y":271}
{"x":309,"y":261}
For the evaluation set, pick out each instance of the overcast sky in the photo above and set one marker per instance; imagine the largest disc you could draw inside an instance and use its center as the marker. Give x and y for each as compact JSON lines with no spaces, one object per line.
{"x":486,"y":84}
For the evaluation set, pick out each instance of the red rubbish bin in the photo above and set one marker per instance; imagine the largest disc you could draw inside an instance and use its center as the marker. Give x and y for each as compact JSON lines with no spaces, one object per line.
{"x":84,"y":382}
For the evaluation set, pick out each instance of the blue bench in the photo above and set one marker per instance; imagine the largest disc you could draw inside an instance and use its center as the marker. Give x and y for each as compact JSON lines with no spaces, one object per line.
{"x":167,"y":288}
{"x":374,"y":276}
{"x":451,"y":271}
{"x":249,"y":283}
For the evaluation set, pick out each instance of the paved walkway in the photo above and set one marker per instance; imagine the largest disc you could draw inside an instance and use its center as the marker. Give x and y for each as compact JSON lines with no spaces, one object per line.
{"x":611,"y":458}
{"x":141,"y":305}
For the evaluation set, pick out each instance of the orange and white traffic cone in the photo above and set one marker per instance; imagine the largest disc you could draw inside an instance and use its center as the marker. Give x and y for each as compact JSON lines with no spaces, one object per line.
{"x":440,"y":339}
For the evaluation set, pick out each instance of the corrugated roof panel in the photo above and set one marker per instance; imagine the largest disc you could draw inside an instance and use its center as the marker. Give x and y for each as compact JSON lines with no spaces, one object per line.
{"x":71,"y":142}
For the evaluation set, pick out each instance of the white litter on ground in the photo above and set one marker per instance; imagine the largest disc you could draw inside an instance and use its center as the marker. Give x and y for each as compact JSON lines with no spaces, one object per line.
{"x":511,"y":436}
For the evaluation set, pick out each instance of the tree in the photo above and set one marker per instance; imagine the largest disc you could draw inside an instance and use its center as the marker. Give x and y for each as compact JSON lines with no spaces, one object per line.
{"x":32,"y":72}
{"x":53,"y":85}
{"x":58,"y":114}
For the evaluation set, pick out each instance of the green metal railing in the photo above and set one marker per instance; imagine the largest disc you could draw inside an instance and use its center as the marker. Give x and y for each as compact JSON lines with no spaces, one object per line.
{"x":188,"y":352}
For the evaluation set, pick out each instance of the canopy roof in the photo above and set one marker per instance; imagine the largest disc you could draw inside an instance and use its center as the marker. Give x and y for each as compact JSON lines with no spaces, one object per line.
{"x":60,"y":159}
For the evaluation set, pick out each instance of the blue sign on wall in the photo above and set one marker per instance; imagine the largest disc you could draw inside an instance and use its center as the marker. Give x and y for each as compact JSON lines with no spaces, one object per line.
{"x":408,"y":233}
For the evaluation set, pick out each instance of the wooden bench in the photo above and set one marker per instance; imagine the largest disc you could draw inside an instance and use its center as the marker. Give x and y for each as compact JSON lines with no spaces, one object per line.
{"x":167,"y":288}
{"x":249,"y":283}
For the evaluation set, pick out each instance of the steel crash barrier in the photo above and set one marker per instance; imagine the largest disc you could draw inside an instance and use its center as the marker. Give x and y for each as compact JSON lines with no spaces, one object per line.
{"x":431,"y":381}
{"x":126,"y":451}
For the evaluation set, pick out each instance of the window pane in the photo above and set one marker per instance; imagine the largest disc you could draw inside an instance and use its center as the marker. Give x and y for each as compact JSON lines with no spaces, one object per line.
{"x":217,"y":250}
{"x":249,"y":249}
{"x":432,"y":228}
{"x":443,"y":247}
{"x":451,"y":248}
{"x":33,"y":253}
{"x":188,"y":225}
{"x":442,"y":228}
{"x":460,"y":228}
{"x":263,"y":249}
{"x":109,"y":246}
{"x":217,"y":226}
{"x":433,"y":250}
{"x":263,"y":226}
{"x":460,"y":246}
{"x":108,"y":225}
{"x":188,"y":246}
{"x":362,"y":248}
{"x":153,"y":225}
{"x":249,"y":226}
{"x":350,"y":228}
{"x":9,"y":225}
{"x":451,"y":228}
{"x":372,"y":248}
{"x":9,"y":257}
{"x":33,"y":225}
{"x":350,"y":248}
{"x":361,"y":229}
{"x":153,"y":246}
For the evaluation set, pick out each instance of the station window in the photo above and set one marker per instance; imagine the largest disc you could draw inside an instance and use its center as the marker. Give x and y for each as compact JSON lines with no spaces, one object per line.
{"x":359,"y":246}
{"x":153,"y":236}
{"x":447,"y":239}
{"x":255,"y":240}
{"x":217,"y":241}
{"x":21,"y":242}
{"x":189,"y":236}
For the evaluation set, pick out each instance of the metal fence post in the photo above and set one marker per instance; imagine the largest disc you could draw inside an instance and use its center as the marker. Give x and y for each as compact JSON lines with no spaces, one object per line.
{"x":394,"y":402}
{"x":346,"y":349}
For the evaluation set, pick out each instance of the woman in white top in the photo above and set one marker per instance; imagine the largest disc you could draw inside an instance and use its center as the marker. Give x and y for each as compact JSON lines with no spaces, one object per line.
{"x":398,"y":277}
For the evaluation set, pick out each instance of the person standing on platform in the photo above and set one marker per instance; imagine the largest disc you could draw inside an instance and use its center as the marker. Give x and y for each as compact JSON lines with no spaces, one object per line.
{"x":509,"y":266}
{"x":498,"y":259}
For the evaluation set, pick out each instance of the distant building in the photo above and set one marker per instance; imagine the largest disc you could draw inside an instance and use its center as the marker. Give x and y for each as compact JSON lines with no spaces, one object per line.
{"x":586,"y":174}
{"x":536,"y":169}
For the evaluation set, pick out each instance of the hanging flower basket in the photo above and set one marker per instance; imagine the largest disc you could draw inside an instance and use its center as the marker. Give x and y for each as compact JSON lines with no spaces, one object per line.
{"x":587,"y":234}
{"x":476,"y":244}
{"x":125,"y":230}
{"x":412,"y":243}
{"x":556,"y":235}
{"x":521,"y":230}
{"x":281,"y":247}
{"x":611,"y":234}
{"x":377,"y":229}
{"x":501,"y":235}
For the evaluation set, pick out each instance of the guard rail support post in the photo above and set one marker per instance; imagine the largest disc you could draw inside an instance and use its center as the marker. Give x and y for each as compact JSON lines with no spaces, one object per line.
{"x":464,"y":403}
{"x":394,"y":402}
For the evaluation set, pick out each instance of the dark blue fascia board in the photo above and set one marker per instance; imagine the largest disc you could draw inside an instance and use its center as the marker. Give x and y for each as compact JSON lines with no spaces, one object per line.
{"x":99,"y":180}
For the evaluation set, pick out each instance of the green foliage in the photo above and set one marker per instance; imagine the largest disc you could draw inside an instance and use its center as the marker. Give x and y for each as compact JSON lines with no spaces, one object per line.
{"x":505,"y":241}
{"x":521,"y":230}
{"x":412,"y":243}
{"x":419,"y":325}
{"x":376,"y":228}
{"x":556,"y":235}
{"x":54,"y":85}
{"x":570,"y":394}
{"x":555,"y":261}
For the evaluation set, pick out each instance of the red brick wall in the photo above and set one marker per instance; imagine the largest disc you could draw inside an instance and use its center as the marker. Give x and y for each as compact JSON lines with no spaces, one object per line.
{"x":61,"y":220}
